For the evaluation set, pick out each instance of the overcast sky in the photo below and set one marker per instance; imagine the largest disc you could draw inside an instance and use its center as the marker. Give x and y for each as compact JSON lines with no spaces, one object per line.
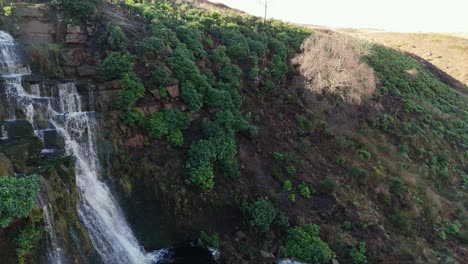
{"x":392,"y":15}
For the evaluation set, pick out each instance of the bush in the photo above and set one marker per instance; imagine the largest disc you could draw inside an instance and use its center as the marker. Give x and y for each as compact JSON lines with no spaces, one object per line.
{"x":17,"y":197}
{"x":290,"y":170}
{"x":191,"y":96}
{"x":26,"y":241}
{"x":358,"y":255}
{"x":259,"y":214}
{"x":116,"y":39}
{"x":202,"y":152}
{"x":115,"y":65}
{"x":161,"y":76}
{"x":304,"y":190}
{"x":167,"y":122}
{"x":175,"y":138}
{"x":278,"y":67}
{"x":183,"y":64}
{"x":132,"y":90}
{"x":78,"y":9}
{"x":292,"y":197}
{"x":287,"y":185}
{"x":346,"y":225}
{"x":230,"y":73}
{"x":304,"y":244}
{"x":330,"y":185}
{"x":151,"y":46}
{"x":453,"y":228}
{"x":358,"y":173}
{"x":363,"y":154}
{"x":352,"y":81}
{"x":211,"y":241}
{"x":192,"y":37}
{"x":203,"y":176}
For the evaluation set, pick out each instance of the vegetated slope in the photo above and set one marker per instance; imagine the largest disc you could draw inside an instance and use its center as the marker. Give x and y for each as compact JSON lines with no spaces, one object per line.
{"x":225,"y":134}
{"x":259,"y":156}
{"x":448,"y":52}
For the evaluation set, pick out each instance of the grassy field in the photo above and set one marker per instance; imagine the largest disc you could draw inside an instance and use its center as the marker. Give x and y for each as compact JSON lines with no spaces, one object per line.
{"x":449,"y":52}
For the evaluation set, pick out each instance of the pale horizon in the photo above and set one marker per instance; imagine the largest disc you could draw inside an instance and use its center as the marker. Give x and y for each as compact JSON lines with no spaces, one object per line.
{"x":397,"y":15}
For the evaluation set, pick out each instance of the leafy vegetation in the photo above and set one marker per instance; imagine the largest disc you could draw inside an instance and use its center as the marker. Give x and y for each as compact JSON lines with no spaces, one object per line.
{"x":17,"y":197}
{"x":116,"y":65}
{"x":304,"y":244}
{"x":259,"y":214}
{"x":358,"y":254}
{"x":80,"y":9}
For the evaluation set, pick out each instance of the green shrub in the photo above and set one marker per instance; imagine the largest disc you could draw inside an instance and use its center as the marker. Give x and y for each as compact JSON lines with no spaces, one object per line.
{"x":358,"y":173}
{"x":17,"y":197}
{"x":116,"y":39}
{"x":399,"y":219}
{"x":211,"y":241}
{"x":277,"y":156}
{"x":292,"y":197}
{"x":115,"y":65}
{"x":175,"y":138}
{"x":257,"y":48}
{"x":304,"y":190}
{"x":183,"y":64}
{"x":78,"y":9}
{"x":161,"y":76}
{"x":202,"y":152}
{"x":287,"y":185}
{"x":156,"y":125}
{"x":259,"y":214}
{"x":330,"y":185}
{"x":278,"y":67}
{"x":363,"y":154}
{"x":230,"y":73}
{"x":191,"y":96}
{"x":167,"y":122}
{"x":192,"y":37}
{"x":132,"y":90}
{"x":453,"y":228}
{"x":358,"y":254}
{"x":290,"y":170}
{"x":282,"y":220}
{"x":151,"y":46}
{"x":346,"y":225}
{"x":203,"y":176}
{"x":26,"y":241}
{"x":304,"y":244}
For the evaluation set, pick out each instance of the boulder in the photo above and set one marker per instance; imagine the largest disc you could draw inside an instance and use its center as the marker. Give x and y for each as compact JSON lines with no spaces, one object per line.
{"x":267,"y":257}
{"x":38,"y":27}
{"x":19,"y":129}
{"x":52,"y":139}
{"x":75,"y":39}
{"x":72,"y":29}
{"x":72,"y":57}
{"x":173,"y":90}
{"x":5,"y":166}
{"x":87,"y":70}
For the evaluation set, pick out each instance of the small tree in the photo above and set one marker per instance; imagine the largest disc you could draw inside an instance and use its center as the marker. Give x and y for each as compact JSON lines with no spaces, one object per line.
{"x":259,"y":214}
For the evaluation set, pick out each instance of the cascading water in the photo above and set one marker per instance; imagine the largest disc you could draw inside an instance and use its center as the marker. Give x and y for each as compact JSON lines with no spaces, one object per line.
{"x":62,"y":111}
{"x":54,"y":253}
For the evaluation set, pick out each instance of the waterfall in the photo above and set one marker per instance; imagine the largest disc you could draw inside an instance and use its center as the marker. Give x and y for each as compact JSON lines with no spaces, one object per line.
{"x":62,"y":111}
{"x":54,"y":253}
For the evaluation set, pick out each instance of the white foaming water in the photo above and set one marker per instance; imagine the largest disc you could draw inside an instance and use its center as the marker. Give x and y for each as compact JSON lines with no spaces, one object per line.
{"x":54,"y":253}
{"x":289,"y":261}
{"x":98,"y":210}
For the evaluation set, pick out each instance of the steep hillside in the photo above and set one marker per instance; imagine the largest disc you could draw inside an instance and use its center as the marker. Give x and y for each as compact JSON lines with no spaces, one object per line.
{"x":446,"y":51}
{"x":267,"y":140}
